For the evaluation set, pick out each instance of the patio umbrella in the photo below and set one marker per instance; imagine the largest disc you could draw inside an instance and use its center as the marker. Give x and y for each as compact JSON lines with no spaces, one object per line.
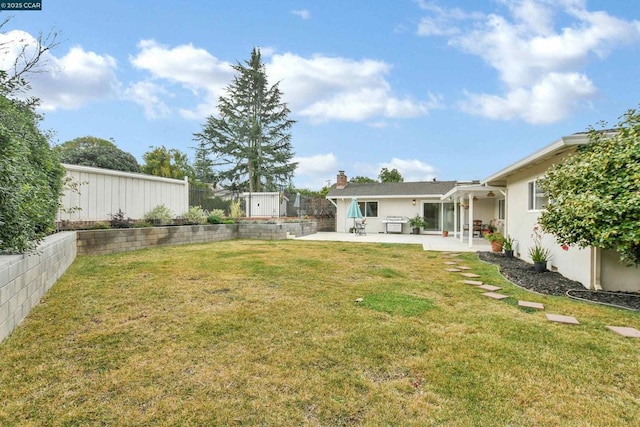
{"x":296,"y":203}
{"x":354,"y":210}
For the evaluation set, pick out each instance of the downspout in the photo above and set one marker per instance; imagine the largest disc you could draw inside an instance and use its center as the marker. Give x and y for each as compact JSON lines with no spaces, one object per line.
{"x":596,"y":275}
{"x":470,"y":220}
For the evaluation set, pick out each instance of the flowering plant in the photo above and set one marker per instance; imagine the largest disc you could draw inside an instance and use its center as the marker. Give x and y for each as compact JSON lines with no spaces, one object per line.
{"x":537,"y":252}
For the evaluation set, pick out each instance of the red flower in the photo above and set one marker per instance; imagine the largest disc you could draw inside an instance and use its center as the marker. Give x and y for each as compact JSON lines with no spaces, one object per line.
{"x":564,"y":247}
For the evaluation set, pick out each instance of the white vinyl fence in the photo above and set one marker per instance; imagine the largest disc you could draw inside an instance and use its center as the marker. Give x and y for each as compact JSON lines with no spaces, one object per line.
{"x":102,"y":192}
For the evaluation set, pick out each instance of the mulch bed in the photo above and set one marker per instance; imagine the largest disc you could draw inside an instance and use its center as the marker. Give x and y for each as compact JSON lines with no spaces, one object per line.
{"x":552,"y":283}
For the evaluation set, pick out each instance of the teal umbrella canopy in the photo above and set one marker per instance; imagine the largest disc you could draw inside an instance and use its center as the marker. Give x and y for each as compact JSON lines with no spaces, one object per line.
{"x":354,"y":209}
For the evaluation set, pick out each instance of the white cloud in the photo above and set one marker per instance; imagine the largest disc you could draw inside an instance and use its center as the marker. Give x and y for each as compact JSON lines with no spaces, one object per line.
{"x":539,"y":64}
{"x":304,"y":14}
{"x":411,"y":170}
{"x":331,"y":88}
{"x":314,"y":171}
{"x":194,"y":69}
{"x":149,"y":95}
{"x":66,"y":82}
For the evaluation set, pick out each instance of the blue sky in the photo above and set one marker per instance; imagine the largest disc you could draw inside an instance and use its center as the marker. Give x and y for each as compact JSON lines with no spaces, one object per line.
{"x":446,"y":89}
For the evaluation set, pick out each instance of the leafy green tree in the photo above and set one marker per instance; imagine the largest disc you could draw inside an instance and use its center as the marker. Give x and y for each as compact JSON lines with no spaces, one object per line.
{"x":251,"y":139}
{"x":30,"y":172}
{"x":595,"y":192}
{"x":30,"y":179}
{"x":362,"y":179}
{"x":392,"y":175}
{"x":167,"y":163}
{"x":96,"y":152}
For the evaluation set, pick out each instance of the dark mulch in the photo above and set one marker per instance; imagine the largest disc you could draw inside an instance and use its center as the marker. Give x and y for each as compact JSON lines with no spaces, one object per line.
{"x":552,"y":283}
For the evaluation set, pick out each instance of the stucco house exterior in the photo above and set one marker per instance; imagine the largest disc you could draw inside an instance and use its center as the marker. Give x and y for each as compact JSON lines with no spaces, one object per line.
{"x":593,"y":267}
{"x":510,"y":198}
{"x":379,"y":201}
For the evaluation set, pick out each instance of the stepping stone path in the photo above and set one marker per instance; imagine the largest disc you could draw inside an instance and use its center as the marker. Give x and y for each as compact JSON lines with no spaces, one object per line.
{"x":558,"y":318}
{"x":495,"y":295}
{"x":489,"y":288}
{"x":562,"y":319}
{"x":625,"y":332}
{"x":530,"y":304}
{"x":471,"y":275}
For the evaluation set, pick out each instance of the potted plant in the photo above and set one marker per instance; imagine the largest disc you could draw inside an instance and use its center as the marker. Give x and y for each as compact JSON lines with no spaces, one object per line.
{"x":445,"y":233}
{"x":417,"y":222}
{"x":539,"y":254}
{"x":497,"y":240}
{"x":508,"y":246}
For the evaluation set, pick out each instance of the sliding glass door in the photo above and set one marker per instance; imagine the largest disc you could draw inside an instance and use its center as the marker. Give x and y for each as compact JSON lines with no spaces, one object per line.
{"x":439,"y":216}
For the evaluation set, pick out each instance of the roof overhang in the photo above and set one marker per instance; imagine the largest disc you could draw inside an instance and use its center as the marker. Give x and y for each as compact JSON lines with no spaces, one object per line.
{"x":478,"y":190}
{"x":561,"y":146}
{"x":386,"y":196}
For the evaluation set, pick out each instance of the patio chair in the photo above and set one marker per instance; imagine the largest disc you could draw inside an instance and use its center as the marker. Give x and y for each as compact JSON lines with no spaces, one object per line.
{"x":477,"y":227}
{"x":360,"y":228}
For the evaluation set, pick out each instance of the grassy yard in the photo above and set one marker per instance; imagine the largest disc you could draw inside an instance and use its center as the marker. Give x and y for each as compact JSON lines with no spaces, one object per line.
{"x":270,"y":333}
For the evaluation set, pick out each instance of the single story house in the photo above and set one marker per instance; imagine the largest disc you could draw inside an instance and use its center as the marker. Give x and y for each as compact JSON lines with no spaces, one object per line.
{"x":511,"y":199}
{"x":388,"y":203}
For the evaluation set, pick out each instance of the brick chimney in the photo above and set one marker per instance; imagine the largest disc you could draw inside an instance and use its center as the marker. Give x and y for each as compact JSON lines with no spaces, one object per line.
{"x":341,"y":180}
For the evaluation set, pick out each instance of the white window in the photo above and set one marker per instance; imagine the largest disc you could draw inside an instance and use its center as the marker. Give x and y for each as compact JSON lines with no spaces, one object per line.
{"x":537,"y":199}
{"x":502,"y":214}
{"x":369,"y":209}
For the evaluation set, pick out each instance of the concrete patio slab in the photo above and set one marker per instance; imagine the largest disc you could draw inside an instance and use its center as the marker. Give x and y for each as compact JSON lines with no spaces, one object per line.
{"x":452,"y":270}
{"x":529,"y":304}
{"x":562,"y":319}
{"x":429,"y":242}
{"x":495,"y":295}
{"x":463,"y":267}
{"x":472,"y":282}
{"x":450,"y":263}
{"x":625,"y":331}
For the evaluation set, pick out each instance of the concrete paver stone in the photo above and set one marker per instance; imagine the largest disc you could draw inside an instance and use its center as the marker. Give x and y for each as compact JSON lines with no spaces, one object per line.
{"x":530,"y":304}
{"x":470,"y":275}
{"x":562,"y":319}
{"x":625,"y":331}
{"x":490,"y":288}
{"x":495,"y":295}
{"x":472,"y":282}
{"x":452,"y":270}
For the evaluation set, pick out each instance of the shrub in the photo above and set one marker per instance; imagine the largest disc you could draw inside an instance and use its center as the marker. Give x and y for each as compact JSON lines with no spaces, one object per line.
{"x":214,"y":219}
{"x":236,"y":209}
{"x":229,"y":221}
{"x":160,"y":215}
{"x":120,"y":220}
{"x":30,"y":179}
{"x":195,"y":215}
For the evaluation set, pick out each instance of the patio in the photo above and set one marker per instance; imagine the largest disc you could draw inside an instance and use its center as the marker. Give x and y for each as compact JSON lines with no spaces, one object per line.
{"x":428,"y":242}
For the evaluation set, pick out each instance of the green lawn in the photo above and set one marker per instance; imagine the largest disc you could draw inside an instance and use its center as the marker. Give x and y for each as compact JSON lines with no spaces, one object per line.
{"x":270,"y":333}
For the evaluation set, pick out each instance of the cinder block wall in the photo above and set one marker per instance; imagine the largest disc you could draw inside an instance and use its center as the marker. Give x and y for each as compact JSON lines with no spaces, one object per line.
{"x":101,"y":242}
{"x":24,"y":279}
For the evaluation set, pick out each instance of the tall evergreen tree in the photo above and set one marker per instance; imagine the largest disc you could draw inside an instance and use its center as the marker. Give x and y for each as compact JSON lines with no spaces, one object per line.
{"x":251,"y":139}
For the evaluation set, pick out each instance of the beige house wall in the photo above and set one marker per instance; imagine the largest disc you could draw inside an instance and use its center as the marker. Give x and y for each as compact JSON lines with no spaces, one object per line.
{"x":616,"y":276}
{"x":588,"y":266}
{"x":484,"y":209}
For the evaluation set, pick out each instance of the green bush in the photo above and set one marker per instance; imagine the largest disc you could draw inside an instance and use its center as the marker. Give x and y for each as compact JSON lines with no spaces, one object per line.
{"x":214,"y":219}
{"x":160,"y":215}
{"x":30,"y":179}
{"x":120,"y":220}
{"x":195,"y":215}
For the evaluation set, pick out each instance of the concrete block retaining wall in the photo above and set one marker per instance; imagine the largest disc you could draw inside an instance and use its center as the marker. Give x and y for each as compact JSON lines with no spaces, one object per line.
{"x":101,"y":242}
{"x":24,"y":279}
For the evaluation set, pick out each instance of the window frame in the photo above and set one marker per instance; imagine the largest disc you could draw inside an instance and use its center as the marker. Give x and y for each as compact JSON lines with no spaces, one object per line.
{"x":537,"y":200}
{"x":363,"y":208}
